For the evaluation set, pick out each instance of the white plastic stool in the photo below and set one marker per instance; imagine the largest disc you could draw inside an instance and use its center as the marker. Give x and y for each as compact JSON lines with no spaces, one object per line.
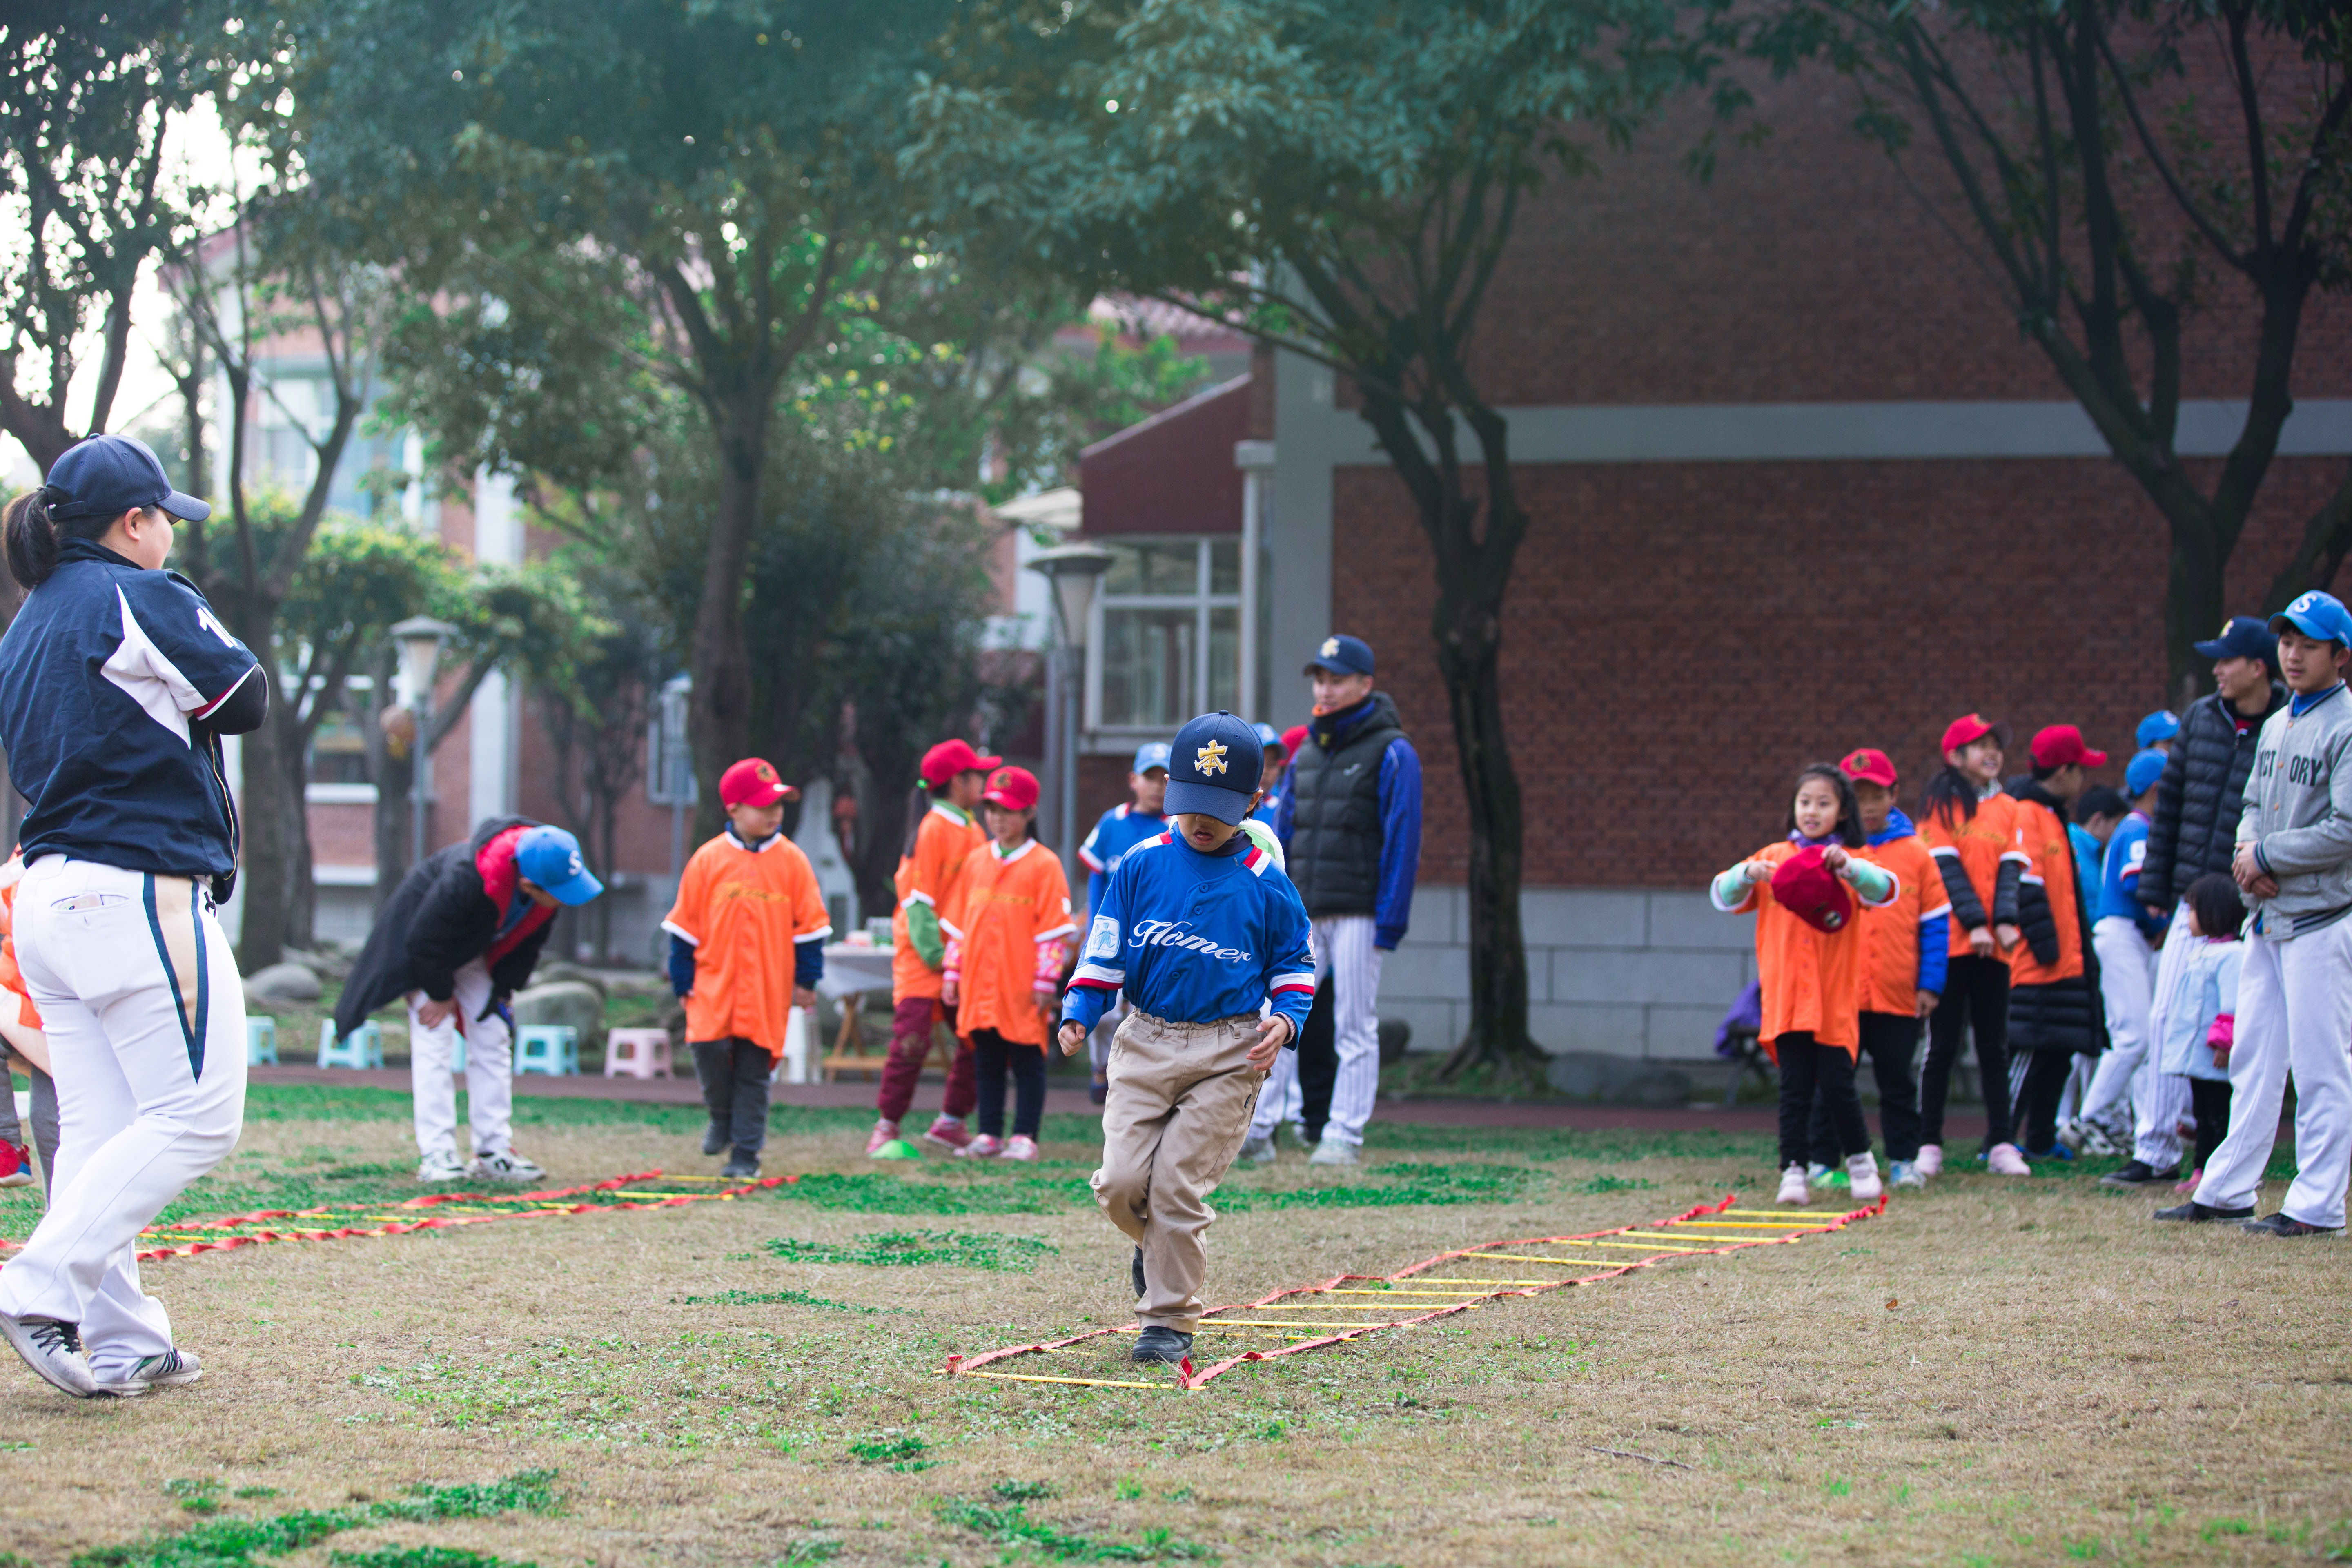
{"x":636,"y":1053}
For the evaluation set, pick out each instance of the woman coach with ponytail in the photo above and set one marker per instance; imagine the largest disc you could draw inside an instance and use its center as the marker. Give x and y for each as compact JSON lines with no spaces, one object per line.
{"x":116,"y":684}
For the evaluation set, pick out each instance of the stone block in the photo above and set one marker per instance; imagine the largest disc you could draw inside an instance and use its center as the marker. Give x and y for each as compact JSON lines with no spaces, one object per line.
{"x":1684,"y":1032}
{"x":1565,"y":1028}
{"x":1424,"y":972}
{"x":1579,"y":975}
{"x":1435,"y":1024}
{"x":1690,"y":921}
{"x":572,"y":1002}
{"x":1619,"y":1081}
{"x":1584,"y":917}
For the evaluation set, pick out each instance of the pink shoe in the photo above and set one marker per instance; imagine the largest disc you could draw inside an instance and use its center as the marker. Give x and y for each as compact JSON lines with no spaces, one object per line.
{"x":1930,"y":1162}
{"x":2188,"y":1186}
{"x":1019,"y":1147}
{"x":982,"y":1147}
{"x":884,"y":1131}
{"x":950,"y":1133}
{"x":2008,"y":1160}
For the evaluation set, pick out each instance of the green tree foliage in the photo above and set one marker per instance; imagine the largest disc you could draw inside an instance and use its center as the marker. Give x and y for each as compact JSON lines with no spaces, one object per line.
{"x":2130,"y":172}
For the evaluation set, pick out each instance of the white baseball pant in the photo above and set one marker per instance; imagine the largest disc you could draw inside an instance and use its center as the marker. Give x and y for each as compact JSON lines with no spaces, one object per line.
{"x":1343,"y":949}
{"x":2161,"y":1099}
{"x":2294,"y":1014}
{"x":145,"y":1019}
{"x":490,"y":1070}
{"x":2127,"y":987}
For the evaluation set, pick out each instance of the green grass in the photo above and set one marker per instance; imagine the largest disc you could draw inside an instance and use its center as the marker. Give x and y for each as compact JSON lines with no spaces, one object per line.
{"x":780,"y":1298}
{"x":235,"y":1542}
{"x":1011,"y":1526}
{"x":917,"y":1249}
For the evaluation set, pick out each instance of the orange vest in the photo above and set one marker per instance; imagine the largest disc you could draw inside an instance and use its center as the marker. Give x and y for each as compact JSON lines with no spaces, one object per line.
{"x":746,"y":912}
{"x":1981,"y":840}
{"x":1812,"y":979}
{"x":928,"y":876}
{"x":1890,"y":934}
{"x":1005,"y":908}
{"x":2041,"y":835}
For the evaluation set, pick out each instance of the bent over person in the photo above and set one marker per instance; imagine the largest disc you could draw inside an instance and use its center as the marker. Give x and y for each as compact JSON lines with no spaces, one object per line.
{"x":116,"y":684}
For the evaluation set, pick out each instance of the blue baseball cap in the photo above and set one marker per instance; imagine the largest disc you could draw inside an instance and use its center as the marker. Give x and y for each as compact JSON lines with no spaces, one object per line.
{"x":108,"y":475}
{"x":551,"y":858}
{"x":2244,"y":638}
{"x":2316,"y":615}
{"x":1150,"y":755}
{"x":1216,"y":768}
{"x":2160,"y":726}
{"x":1269,"y":739}
{"x":1342,"y":654}
{"x":2141,"y":772}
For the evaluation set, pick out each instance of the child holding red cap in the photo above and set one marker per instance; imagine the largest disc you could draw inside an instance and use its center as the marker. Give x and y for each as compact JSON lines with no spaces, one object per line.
{"x":940,"y":840}
{"x":1968,"y":826}
{"x":1808,"y":953}
{"x":2054,"y":1014}
{"x":1008,"y":926}
{"x":746,"y":946}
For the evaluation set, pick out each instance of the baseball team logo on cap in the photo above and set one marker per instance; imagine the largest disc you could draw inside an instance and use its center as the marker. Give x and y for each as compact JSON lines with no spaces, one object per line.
{"x":1869,"y":765}
{"x":1211,"y":758}
{"x":2318,"y":615}
{"x":1809,"y":889}
{"x":1330,"y":649}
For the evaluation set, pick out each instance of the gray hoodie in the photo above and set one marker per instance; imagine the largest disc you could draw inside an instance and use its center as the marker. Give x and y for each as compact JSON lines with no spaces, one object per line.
{"x":2298,"y":816}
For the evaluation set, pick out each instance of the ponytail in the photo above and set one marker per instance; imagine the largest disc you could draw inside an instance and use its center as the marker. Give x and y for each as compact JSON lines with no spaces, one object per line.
{"x":1950,"y":793}
{"x":919,"y":805}
{"x":33,"y":534}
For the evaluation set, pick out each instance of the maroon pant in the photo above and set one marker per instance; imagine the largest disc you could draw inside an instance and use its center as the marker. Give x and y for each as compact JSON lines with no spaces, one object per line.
{"x":910,"y":1046}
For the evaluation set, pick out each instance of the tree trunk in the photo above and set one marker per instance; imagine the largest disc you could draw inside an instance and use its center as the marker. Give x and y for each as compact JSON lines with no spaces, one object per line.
{"x":720,"y":716}
{"x":301,"y":877}
{"x":263,"y":940}
{"x":391,"y":776}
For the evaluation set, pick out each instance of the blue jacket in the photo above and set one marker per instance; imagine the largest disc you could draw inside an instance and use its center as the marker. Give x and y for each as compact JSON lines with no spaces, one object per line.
{"x":1400,"y":829}
{"x":1123,"y":828}
{"x":1935,"y":947}
{"x":2119,"y":877}
{"x":1192,"y":938}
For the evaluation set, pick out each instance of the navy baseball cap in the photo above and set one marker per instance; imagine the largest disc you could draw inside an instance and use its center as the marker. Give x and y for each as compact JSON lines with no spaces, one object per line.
{"x":1342,"y":654}
{"x":2244,"y":638}
{"x":2160,"y":726}
{"x":1215,"y":768}
{"x":1150,"y":755}
{"x":2316,"y":615}
{"x":109,"y":475}
{"x":551,"y":858}
{"x":2141,"y":772}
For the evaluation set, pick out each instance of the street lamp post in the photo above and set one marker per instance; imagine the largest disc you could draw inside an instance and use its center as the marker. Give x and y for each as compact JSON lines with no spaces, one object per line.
{"x":420,"y":638}
{"x":1075,"y":571}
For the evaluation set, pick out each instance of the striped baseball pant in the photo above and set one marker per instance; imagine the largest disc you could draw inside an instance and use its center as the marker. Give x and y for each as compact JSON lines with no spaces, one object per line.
{"x":1343,"y":950}
{"x":145,"y":1020}
{"x":2156,"y":1114}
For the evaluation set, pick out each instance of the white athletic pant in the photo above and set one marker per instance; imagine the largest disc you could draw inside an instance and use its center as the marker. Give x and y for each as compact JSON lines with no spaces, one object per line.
{"x":2294,"y":1014}
{"x":2160,"y":1099}
{"x":2126,"y":987}
{"x":145,"y":1017}
{"x":1344,"y":950}
{"x":490,"y":1070}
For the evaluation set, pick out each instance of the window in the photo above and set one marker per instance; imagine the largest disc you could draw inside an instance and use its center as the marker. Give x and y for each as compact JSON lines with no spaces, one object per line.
{"x":339,"y":747}
{"x":1168,"y":633}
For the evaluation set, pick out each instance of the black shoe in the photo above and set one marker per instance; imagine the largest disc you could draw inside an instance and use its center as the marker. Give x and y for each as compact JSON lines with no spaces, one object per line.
{"x":2279,"y":1223}
{"x":1100,"y":1093}
{"x":742,"y":1165}
{"x":1135,"y":1272}
{"x":715,"y":1138}
{"x":1156,"y":1344}
{"x":2194,"y":1213}
{"x":2138,"y":1173}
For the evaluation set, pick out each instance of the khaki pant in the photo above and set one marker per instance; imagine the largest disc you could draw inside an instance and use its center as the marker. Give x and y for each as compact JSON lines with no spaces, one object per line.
{"x":1180,"y":1103}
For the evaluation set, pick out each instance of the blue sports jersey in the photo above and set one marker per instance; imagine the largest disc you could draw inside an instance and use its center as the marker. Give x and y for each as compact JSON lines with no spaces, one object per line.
{"x":2119,"y":877}
{"x":1122,"y":829}
{"x":106,"y":676}
{"x":1192,"y":938}
{"x":2086,"y":859}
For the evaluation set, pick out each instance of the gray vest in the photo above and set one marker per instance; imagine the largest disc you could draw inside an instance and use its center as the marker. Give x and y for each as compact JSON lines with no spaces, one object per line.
{"x":1334,"y":856}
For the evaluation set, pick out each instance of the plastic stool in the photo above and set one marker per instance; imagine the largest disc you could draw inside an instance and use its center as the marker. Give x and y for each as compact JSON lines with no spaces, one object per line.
{"x":261,"y":1042}
{"x":636,"y":1053}
{"x":363,"y":1047}
{"x":550,"y":1048}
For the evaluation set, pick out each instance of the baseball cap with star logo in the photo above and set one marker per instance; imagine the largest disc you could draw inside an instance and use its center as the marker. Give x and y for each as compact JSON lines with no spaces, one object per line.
{"x":1213,"y":766}
{"x":1342,"y":654}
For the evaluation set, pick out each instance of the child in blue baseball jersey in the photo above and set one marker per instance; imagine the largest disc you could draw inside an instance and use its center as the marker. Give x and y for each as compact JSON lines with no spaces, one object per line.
{"x":1123,"y":828}
{"x":1209,"y":942}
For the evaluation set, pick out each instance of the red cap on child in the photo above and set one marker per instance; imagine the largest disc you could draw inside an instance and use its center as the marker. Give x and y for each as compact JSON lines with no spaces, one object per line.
{"x":1974,"y":728}
{"x":754,"y":781}
{"x":1014,"y":789}
{"x":1869,"y":765}
{"x":1809,"y":889}
{"x":2062,"y":743}
{"x":949,"y":758}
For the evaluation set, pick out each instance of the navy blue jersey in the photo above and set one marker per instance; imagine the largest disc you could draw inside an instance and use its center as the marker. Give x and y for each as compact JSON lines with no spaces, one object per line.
{"x":106,"y":676}
{"x":1192,"y":938}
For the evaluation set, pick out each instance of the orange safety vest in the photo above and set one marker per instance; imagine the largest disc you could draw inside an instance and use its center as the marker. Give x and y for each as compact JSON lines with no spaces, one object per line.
{"x":746,"y":912}
{"x":2041,"y":837}
{"x":1890,"y":934}
{"x":1812,"y":979}
{"x":942,"y":842}
{"x":1007,"y":909}
{"x":1981,"y":840}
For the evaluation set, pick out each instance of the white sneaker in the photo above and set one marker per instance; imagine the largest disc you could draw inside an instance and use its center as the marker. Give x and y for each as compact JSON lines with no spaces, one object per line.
{"x":1862,"y":1172}
{"x":1333,"y":1152}
{"x":504,"y":1166}
{"x":1930,"y":1162}
{"x":2008,"y":1160}
{"x":1019,"y":1147}
{"x":170,"y":1370}
{"x":1792,"y":1187}
{"x":1258,"y":1151}
{"x":1904,"y":1174}
{"x":441,"y":1166}
{"x":2104,"y":1141}
{"x":982,"y":1147}
{"x":47,"y":1347}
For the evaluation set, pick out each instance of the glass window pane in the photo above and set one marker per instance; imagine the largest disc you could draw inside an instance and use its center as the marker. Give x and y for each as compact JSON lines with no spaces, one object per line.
{"x":1126,"y":573}
{"x":1225,"y":566}
{"x":1172,"y":568}
{"x":1224,"y":660}
{"x":1147,"y":662}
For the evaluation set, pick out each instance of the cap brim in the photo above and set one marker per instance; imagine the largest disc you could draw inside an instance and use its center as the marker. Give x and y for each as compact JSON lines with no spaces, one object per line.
{"x":577,"y":891}
{"x":2213,"y":650}
{"x":2094,"y":758}
{"x":988,"y":764}
{"x":186,"y":507}
{"x":1227,"y":805}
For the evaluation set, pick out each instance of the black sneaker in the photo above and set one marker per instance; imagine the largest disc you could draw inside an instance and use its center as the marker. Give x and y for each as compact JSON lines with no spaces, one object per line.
{"x":2195,"y":1212}
{"x":742,"y":1165}
{"x":2138,"y":1173}
{"x":715,"y":1138}
{"x":1135,"y":1273}
{"x":1156,"y":1344}
{"x":2279,"y":1223}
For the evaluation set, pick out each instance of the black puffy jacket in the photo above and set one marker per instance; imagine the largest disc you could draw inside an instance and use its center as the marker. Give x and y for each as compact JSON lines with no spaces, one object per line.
{"x":437,"y":921}
{"x":2200,"y":797}
{"x":2066,"y":1014}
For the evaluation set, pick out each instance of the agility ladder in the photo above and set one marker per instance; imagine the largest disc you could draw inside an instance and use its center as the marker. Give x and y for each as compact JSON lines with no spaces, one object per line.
{"x":260,"y":1228}
{"x":1586,"y":1259}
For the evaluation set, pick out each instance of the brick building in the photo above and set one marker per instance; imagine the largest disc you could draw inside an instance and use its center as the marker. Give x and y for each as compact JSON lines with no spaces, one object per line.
{"x":1796,"y":486}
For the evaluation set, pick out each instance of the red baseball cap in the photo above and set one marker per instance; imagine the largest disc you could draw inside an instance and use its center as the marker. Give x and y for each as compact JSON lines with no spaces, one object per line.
{"x":1974,"y":728}
{"x":1014,"y":789}
{"x":754,"y":781}
{"x":949,"y":758}
{"x":1869,"y":765}
{"x":2062,"y":743}
{"x":1294,"y":738}
{"x":1809,"y":889}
